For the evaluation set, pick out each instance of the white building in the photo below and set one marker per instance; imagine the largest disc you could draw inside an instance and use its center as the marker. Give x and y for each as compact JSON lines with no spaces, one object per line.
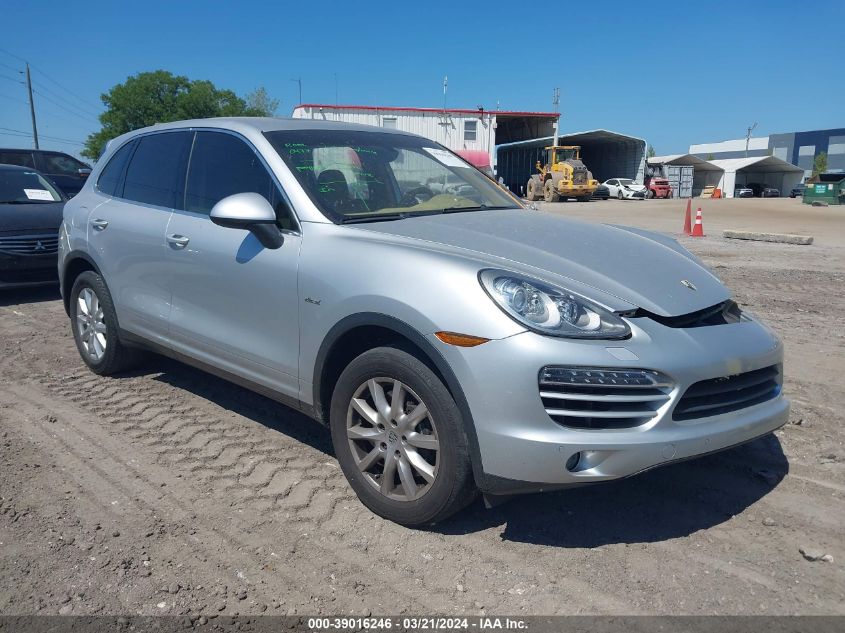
{"x":472,"y":133}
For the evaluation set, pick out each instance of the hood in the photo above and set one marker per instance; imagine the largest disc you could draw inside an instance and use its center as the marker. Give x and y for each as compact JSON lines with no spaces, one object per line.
{"x":637,"y":267}
{"x":635,"y":186}
{"x":46,"y":216}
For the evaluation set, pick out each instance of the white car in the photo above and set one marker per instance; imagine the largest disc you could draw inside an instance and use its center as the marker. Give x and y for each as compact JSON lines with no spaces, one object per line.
{"x":625,"y":188}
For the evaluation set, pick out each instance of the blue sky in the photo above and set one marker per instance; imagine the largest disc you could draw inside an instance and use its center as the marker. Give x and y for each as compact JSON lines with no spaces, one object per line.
{"x":674,"y":73}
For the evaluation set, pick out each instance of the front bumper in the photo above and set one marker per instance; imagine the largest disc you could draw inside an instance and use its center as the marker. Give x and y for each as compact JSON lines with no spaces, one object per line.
{"x":18,"y":271}
{"x":520,"y":444}
{"x":575,"y":192}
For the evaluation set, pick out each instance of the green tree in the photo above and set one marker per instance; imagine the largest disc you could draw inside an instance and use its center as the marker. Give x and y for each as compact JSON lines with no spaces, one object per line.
{"x":260,"y":101}
{"x":820,"y":164}
{"x":160,"y":96}
{"x":651,"y":153}
{"x":709,"y":156}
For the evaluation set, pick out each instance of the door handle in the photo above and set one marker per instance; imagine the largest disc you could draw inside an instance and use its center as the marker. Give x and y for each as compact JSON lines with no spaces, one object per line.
{"x":99,"y":225}
{"x":178,"y":241}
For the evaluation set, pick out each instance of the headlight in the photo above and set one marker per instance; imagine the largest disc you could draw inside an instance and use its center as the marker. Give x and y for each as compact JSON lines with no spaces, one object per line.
{"x":550,"y":310}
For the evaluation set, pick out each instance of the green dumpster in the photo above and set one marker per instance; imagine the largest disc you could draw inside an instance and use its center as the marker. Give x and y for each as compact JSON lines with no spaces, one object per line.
{"x":826,"y":189}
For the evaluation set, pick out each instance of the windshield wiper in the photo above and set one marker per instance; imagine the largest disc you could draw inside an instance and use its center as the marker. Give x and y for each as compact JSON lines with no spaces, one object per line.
{"x":383,"y":217}
{"x":481,"y":207}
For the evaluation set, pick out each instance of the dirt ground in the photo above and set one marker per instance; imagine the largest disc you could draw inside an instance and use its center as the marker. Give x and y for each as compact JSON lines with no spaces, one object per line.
{"x":168,"y":491}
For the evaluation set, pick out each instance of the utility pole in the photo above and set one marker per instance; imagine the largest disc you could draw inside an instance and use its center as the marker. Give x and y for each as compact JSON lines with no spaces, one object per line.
{"x":748,"y":138}
{"x":298,"y":80}
{"x":335,"y":90}
{"x":556,"y":104}
{"x":445,"y":86}
{"x":31,"y":107}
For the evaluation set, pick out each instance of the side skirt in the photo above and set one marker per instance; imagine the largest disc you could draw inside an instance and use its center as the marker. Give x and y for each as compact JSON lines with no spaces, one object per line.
{"x":133,"y":340}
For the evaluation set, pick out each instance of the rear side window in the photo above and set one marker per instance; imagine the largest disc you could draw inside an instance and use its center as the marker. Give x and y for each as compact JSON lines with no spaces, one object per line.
{"x":24,"y":159}
{"x":156,"y":172}
{"x":60,"y":164}
{"x":112,"y":173}
{"x":222,"y":165}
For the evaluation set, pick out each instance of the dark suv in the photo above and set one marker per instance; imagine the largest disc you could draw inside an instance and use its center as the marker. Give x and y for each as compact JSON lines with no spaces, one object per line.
{"x":66,"y":172}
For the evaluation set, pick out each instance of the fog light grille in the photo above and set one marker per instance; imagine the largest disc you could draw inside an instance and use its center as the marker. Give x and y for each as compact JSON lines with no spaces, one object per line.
{"x":599,"y":398}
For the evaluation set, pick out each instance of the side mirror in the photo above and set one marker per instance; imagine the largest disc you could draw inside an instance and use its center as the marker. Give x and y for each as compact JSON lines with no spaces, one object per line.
{"x":251,"y":212}
{"x":84,"y":172}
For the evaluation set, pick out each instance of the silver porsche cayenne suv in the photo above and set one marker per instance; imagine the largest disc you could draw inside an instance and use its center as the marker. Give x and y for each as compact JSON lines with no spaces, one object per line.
{"x":452,"y":340}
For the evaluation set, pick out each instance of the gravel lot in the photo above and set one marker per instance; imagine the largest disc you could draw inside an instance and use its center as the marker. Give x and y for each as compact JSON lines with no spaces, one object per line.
{"x":168,"y":491}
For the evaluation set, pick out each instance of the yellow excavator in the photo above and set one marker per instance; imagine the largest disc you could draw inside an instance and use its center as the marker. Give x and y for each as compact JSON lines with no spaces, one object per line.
{"x":563,"y":176}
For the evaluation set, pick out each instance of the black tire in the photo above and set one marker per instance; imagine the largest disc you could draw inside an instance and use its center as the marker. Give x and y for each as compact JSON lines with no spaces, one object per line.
{"x":619,"y":195}
{"x":453,"y":487}
{"x":650,"y":194}
{"x":531,"y":190}
{"x":117,"y":357}
{"x":584,"y":198}
{"x":550,"y":193}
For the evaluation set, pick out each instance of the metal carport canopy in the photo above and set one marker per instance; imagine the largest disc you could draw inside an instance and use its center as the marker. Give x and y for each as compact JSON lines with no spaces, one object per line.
{"x":606,"y":154}
{"x":685,"y":160}
{"x":770,"y":170}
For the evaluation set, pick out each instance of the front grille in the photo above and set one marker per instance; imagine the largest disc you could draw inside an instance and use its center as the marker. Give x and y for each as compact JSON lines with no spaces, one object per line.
{"x":30,"y":244}
{"x":729,"y":393}
{"x":597,"y":398}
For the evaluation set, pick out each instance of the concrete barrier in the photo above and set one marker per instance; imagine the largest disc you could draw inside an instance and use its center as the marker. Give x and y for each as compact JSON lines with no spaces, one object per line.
{"x":781,"y":238}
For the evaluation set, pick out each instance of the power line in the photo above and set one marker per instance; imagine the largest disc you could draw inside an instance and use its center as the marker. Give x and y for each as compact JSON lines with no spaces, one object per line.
{"x":41,"y":86}
{"x":67,"y":90}
{"x":54,"y":138}
{"x":11,"y":79}
{"x":13,"y":99}
{"x":17,"y":70}
{"x":85,"y":117}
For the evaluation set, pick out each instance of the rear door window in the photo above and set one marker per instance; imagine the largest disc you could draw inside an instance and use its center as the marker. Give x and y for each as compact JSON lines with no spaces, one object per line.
{"x":156,"y":172}
{"x":110,"y":181}
{"x":223,"y":165}
{"x":60,"y":164}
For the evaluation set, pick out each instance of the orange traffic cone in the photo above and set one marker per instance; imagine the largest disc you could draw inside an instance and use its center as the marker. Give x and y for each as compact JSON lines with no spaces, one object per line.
{"x":687,"y":220}
{"x":698,"y":229}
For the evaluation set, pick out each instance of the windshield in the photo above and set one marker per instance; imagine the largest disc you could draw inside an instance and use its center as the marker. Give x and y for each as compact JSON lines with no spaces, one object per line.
{"x":565,"y":154}
{"x":625,"y":181}
{"x":21,"y":186}
{"x":352,"y":175}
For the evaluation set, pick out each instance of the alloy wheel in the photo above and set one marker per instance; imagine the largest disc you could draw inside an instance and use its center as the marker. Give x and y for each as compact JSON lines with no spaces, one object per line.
{"x":393,"y":439}
{"x":91,"y":324}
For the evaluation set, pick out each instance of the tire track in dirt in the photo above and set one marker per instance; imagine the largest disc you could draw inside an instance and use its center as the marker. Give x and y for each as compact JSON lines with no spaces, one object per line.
{"x":303,"y":491}
{"x":183,"y":503}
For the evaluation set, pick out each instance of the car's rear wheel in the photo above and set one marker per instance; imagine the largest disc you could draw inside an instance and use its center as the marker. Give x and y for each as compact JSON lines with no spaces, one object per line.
{"x":95,"y":328}
{"x":399,"y":439}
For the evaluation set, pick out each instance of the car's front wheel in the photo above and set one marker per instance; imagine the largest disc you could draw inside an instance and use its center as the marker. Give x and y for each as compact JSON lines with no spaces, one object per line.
{"x":95,"y":328}
{"x":619,"y":195}
{"x":399,"y":438}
